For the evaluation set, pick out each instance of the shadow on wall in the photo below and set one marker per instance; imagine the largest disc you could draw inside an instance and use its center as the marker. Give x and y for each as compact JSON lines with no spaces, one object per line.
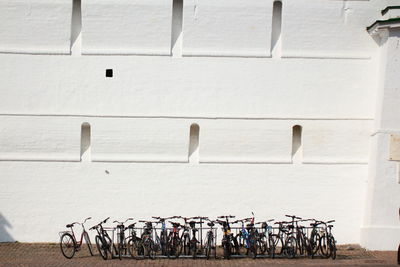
{"x":4,"y":235}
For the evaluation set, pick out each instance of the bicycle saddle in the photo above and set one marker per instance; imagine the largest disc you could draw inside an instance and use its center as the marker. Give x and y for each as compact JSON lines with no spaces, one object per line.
{"x":70,"y":225}
{"x":175,"y":224}
{"x":210,"y":224}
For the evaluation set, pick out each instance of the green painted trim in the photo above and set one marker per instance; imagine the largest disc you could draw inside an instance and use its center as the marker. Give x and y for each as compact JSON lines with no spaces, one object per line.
{"x":386,"y":10}
{"x":383,"y":21}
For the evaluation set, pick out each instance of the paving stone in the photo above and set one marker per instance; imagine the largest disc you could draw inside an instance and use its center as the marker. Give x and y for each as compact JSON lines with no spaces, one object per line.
{"x":46,"y":255}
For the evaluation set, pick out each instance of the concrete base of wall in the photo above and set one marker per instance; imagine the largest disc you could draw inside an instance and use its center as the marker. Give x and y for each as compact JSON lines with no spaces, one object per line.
{"x":380,"y":237}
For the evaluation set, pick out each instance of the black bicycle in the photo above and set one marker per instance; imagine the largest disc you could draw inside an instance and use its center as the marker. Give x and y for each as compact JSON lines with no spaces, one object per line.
{"x":229,"y":242}
{"x":135,"y":247}
{"x":210,"y":242}
{"x":266,"y":239}
{"x":147,"y":240}
{"x":103,"y":240}
{"x":194,"y":247}
{"x":327,"y":242}
{"x":174,"y":243}
{"x":122,"y":247}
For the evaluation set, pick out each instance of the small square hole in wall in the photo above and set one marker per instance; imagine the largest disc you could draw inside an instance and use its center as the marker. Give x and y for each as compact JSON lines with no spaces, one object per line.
{"x":109,"y":73}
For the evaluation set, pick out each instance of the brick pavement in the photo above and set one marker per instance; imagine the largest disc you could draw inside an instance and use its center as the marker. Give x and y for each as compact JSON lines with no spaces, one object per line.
{"x":46,"y":255}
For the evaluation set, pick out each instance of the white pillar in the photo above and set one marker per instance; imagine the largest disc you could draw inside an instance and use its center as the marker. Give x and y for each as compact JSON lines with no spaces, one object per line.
{"x":381,"y":225}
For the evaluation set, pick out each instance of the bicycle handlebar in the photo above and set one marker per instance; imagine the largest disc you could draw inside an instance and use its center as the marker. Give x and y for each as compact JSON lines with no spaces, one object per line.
{"x":97,"y":225}
{"x":271,"y":220}
{"x":226,"y":216}
{"x":142,"y":221}
{"x":86,"y":219}
{"x":129,"y":219}
{"x":199,"y":218}
{"x":293,"y":217}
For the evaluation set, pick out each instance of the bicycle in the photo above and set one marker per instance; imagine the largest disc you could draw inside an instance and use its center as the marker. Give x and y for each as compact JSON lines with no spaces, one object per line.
{"x":327,"y":243}
{"x":135,"y":246}
{"x":174,"y":244}
{"x":247,"y":237}
{"x":302,"y":241}
{"x":185,"y":237}
{"x":209,"y":242}
{"x":279,"y":238}
{"x":200,"y":222}
{"x":121,"y":240}
{"x":229,"y":243}
{"x":314,"y":238}
{"x":147,"y":240}
{"x":161,"y":241}
{"x":266,"y":239}
{"x":193,"y":249}
{"x":103,"y":240}
{"x":68,"y":243}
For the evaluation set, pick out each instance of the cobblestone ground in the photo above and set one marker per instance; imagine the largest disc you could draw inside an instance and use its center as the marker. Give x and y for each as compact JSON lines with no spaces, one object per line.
{"x":43,"y":255}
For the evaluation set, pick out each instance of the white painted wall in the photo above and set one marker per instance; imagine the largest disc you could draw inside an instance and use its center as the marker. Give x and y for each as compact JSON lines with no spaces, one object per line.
{"x":35,"y":26}
{"x":188,"y":87}
{"x":219,"y":76}
{"x":129,"y":27}
{"x":227,"y":28}
{"x":49,"y":195}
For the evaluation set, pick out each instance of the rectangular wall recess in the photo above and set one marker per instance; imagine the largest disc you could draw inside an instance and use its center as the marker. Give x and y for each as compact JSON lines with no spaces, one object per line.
{"x":177,"y":24}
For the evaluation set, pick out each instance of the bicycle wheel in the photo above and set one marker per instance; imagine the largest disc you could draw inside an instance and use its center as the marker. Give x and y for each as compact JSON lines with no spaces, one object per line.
{"x":271,"y":247}
{"x":277,"y":244}
{"x":253,"y":247}
{"x":325,"y":247}
{"x":193,"y":248}
{"x":314,"y":244}
{"x":110,"y":246}
{"x":227,"y":250}
{"x":186,"y":245}
{"x":120,"y":250}
{"x":300,"y":245}
{"x":208,"y":245}
{"x":290,"y":247}
{"x":178,"y":247}
{"x":67,"y":245}
{"x":102,"y":247}
{"x":133,"y":248}
{"x":163,"y":243}
{"x":88,"y":243}
{"x":307,"y":247}
{"x":234,"y":246}
{"x":332,"y":244}
{"x":174,"y":247}
{"x":262,"y":244}
{"x":152,"y":250}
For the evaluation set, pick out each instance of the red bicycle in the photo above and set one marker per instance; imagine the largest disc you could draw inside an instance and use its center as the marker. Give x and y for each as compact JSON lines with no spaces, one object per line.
{"x":174,"y":243}
{"x":68,"y":243}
